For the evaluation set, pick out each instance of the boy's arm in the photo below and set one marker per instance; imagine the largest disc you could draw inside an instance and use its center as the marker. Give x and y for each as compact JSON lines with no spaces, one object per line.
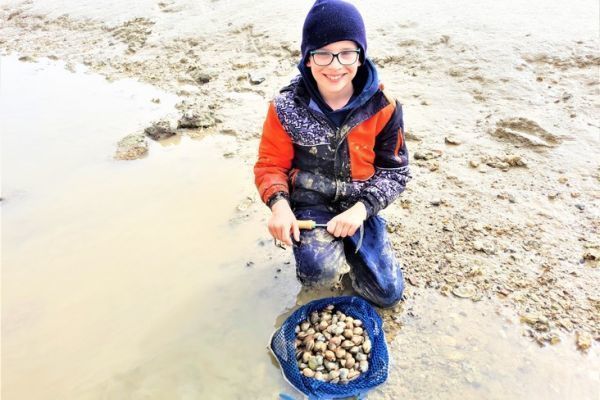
{"x":391,"y":166}
{"x":275,"y":155}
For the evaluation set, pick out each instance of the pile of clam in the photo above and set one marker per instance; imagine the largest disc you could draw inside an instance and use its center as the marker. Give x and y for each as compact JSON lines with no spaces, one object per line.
{"x":332,"y":347}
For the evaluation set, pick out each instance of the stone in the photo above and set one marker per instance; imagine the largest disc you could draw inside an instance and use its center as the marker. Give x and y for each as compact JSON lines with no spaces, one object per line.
{"x":201,"y":77}
{"x":452,"y":140}
{"x":255,"y":79}
{"x":474,"y":163}
{"x":583,"y":340}
{"x":132,"y":147}
{"x":160,"y":130}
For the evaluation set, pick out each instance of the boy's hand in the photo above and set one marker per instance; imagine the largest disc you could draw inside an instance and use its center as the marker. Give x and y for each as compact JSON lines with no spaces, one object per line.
{"x":282,"y":222}
{"x":347,"y":223}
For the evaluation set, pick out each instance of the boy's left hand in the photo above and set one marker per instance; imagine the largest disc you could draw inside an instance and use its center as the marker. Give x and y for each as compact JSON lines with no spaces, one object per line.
{"x":348,"y":222}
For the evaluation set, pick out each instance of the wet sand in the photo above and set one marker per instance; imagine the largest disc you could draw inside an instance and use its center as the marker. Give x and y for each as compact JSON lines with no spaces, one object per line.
{"x":120,"y":276}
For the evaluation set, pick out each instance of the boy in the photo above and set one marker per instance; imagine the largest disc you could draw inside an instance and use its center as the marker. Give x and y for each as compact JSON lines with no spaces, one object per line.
{"x":333,"y":151}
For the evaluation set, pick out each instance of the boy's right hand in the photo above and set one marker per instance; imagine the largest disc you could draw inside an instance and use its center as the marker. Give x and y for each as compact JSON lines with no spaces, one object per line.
{"x":282,"y":222}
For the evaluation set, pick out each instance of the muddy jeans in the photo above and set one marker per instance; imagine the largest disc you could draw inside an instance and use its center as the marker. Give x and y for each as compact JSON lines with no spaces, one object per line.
{"x":375,"y":272}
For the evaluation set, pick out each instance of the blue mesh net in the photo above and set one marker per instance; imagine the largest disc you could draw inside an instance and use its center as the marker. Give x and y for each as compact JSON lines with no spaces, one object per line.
{"x":282,"y":346}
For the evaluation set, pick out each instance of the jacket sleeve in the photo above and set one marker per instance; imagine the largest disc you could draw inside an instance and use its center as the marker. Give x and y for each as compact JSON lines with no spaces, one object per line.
{"x":391,"y":166}
{"x":275,"y":154}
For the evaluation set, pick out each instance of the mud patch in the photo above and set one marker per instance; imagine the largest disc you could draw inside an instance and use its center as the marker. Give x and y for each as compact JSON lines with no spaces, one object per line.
{"x":563,"y":63}
{"x":525,"y":132}
{"x":133,"y":33}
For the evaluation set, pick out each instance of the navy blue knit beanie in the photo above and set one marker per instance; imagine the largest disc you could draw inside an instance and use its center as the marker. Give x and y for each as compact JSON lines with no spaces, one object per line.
{"x":331,"y":21}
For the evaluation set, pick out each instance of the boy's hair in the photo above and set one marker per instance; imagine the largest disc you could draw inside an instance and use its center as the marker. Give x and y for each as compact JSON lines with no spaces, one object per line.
{"x":330,"y":21}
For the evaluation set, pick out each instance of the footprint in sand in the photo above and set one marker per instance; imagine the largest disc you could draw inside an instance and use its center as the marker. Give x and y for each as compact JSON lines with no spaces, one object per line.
{"x":523,"y":131}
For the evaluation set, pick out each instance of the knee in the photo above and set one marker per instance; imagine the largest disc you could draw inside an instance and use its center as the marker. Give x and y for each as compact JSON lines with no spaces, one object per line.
{"x":318,"y":262}
{"x":382,"y":294}
{"x":390,"y":296}
{"x":316,"y":267}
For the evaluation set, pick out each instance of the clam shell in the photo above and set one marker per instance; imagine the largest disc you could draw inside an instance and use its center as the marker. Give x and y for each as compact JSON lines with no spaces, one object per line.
{"x":309,"y":373}
{"x":323,"y":325}
{"x":304,"y":326}
{"x":331,"y":346}
{"x":340,"y":353}
{"x":330,"y":307}
{"x":306,"y":356}
{"x":354,"y":349}
{"x":312,"y":363}
{"x":357,"y":322}
{"x":367,"y":346}
{"x":320,"y":346}
{"x":319,"y":376}
{"x":348,"y":333}
{"x":331,"y":366}
{"x":364,"y":366}
{"x":347,"y":344}
{"x":302,"y":335}
{"x":311,"y":331}
{"x":357,"y":340}
{"x":361,"y":357}
{"x":336,"y":340}
{"x":314,"y":317}
{"x":297,"y":329}
{"x":350,"y":363}
{"x":330,"y":355}
{"x":334,"y":374}
{"x":358,"y":330}
{"x":353,"y":374}
{"x":344,"y":373}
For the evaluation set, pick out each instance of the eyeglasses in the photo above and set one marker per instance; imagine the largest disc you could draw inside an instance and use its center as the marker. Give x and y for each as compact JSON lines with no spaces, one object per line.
{"x":324,"y":58}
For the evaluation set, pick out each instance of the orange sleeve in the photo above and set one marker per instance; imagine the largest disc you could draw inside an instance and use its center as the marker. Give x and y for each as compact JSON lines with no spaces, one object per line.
{"x":275,"y":154}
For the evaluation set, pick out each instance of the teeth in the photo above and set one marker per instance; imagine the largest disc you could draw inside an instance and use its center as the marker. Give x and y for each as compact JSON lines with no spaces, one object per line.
{"x":334,"y":77}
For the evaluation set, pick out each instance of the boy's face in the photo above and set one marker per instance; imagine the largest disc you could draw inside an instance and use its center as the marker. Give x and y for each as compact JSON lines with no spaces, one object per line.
{"x":334,"y":78}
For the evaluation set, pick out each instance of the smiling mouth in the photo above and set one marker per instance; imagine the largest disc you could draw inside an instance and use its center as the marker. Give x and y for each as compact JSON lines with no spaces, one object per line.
{"x":334,"y":78}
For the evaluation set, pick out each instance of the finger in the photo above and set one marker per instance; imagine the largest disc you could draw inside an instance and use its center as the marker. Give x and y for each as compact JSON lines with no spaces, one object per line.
{"x":280,"y":235}
{"x":285,"y":235}
{"x":352,"y":230}
{"x":331,"y":226}
{"x":338,"y":229}
{"x":272,"y":231}
{"x":345,"y":229}
{"x":296,"y":231}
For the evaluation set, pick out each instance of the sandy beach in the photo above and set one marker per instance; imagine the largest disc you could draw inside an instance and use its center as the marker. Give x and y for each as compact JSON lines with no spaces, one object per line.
{"x":136,"y":263}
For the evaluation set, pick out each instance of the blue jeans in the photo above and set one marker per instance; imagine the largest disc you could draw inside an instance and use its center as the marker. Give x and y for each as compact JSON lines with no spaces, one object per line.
{"x":375,"y":272}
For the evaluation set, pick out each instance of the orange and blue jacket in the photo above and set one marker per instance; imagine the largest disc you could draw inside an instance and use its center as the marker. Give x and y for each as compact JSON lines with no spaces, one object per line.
{"x":304,"y":158}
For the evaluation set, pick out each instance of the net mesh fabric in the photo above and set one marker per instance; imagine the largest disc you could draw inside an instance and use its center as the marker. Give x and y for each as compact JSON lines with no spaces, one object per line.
{"x":282,"y":346}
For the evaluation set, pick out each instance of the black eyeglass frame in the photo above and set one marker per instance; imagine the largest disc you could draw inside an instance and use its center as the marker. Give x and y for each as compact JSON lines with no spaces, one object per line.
{"x":334,"y":56}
